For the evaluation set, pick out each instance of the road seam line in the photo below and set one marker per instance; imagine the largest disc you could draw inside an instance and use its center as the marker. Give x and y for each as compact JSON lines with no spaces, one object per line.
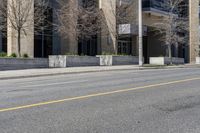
{"x":51,"y":84}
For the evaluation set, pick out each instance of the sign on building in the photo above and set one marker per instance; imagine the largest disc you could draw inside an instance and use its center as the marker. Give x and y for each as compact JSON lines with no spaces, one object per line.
{"x":131,"y":29}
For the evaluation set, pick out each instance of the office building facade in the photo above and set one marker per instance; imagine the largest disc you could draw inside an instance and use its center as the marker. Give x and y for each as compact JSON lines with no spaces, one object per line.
{"x":116,"y":36}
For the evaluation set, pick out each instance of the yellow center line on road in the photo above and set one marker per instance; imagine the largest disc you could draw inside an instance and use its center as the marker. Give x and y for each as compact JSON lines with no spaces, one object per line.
{"x":95,"y":95}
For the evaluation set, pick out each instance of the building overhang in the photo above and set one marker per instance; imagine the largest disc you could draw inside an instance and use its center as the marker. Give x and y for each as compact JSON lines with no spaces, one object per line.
{"x":155,"y":12}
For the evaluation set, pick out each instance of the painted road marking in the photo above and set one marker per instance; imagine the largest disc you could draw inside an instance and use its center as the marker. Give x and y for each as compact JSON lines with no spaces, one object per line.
{"x":95,"y":95}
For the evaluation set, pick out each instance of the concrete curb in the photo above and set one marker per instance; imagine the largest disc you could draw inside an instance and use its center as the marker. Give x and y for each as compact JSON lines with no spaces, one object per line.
{"x":63,"y":73}
{"x":89,"y":71}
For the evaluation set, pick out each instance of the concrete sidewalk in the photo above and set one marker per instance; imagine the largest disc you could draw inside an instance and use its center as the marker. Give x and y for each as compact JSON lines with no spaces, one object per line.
{"x":13,"y":74}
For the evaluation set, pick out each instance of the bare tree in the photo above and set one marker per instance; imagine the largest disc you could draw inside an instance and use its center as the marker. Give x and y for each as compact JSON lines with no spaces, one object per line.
{"x":16,"y":14}
{"x":87,"y":19}
{"x":119,"y":18}
{"x":80,"y":19}
{"x":173,"y":27}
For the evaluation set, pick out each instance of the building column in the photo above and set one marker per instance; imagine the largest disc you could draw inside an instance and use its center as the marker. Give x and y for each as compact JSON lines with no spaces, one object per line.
{"x":109,"y":31}
{"x":27,"y":40}
{"x":193,"y":29}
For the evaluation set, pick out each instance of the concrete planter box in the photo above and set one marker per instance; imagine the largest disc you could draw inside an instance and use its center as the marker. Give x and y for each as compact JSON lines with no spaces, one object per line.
{"x":22,"y":63}
{"x":197,"y":60}
{"x":165,"y":61}
{"x":110,"y":60}
{"x":62,"y":61}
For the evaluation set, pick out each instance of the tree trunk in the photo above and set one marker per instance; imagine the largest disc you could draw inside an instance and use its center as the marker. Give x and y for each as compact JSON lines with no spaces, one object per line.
{"x":116,"y":46}
{"x":170,"y":53}
{"x":19,"y":43}
{"x":176,"y":49}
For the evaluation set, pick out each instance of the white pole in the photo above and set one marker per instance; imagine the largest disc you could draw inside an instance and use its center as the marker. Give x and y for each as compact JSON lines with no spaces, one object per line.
{"x":140,"y":37}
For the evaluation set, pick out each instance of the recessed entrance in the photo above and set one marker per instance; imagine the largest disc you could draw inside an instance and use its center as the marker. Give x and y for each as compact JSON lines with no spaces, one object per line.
{"x":124,"y":47}
{"x":88,"y":46}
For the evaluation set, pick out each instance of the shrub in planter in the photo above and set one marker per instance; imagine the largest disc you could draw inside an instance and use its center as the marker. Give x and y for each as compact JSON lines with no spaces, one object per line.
{"x":25,"y":55}
{"x":3,"y":54}
{"x":71,"y":54}
{"x":13,"y":55}
{"x":107,"y":53}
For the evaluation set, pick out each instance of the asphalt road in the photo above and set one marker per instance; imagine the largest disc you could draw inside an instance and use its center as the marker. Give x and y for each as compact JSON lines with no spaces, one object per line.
{"x":131,"y":101}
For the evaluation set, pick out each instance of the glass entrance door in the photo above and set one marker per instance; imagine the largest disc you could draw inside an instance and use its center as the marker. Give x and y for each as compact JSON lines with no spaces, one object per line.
{"x":88,"y":46}
{"x":124,"y":47}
